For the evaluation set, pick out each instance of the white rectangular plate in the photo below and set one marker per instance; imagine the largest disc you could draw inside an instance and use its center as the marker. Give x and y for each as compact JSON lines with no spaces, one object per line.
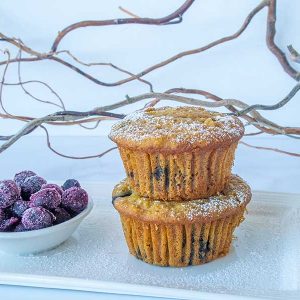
{"x":264,"y":260}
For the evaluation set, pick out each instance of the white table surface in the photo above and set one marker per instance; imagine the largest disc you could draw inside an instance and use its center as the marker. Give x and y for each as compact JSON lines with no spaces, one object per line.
{"x":263,"y":170}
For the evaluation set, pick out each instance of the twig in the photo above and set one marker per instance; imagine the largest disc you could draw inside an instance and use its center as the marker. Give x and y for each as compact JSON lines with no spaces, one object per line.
{"x":129,"y":13}
{"x":278,"y":105}
{"x":270,"y":40}
{"x":3,"y":81}
{"x":253,"y":133}
{"x":92,"y":127}
{"x":102,"y":111}
{"x":109,"y":65}
{"x":59,"y":116}
{"x":71,"y":156}
{"x":270,"y":149}
{"x":41,"y":83}
{"x":217,"y":42}
{"x":61,"y":105}
{"x":201,"y":49}
{"x":144,"y":21}
{"x":295,"y":56}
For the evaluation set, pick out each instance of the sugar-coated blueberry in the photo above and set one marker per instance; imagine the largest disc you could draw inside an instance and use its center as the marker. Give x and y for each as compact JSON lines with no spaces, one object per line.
{"x":31,"y":185}
{"x":53,"y":186}
{"x":20,"y":228}
{"x":21,"y":176}
{"x":47,"y":198}
{"x":9,"y":224}
{"x":2,"y":215}
{"x":37,"y":218}
{"x":9,"y":193}
{"x":61,"y":215}
{"x":19,"y":207}
{"x":70,"y":183}
{"x":75,"y":199}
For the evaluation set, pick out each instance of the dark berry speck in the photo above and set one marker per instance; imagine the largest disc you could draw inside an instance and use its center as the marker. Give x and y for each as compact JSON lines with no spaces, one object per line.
{"x":70,"y":183}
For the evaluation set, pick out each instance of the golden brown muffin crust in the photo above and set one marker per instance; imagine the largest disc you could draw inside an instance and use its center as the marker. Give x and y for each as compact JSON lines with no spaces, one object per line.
{"x":235,"y":197}
{"x":176,"y":129}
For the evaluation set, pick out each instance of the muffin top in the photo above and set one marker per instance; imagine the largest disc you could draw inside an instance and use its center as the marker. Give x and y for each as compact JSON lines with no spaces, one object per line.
{"x":235,"y":196}
{"x":176,"y":129}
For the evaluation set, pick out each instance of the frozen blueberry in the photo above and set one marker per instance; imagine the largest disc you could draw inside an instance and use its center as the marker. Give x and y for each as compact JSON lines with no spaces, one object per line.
{"x":9,"y":193}
{"x":2,"y":215}
{"x":20,"y":228}
{"x":47,"y":198}
{"x":61,"y":215}
{"x":19,"y":207}
{"x":70,"y":183}
{"x":75,"y":199}
{"x":8,"y":225}
{"x":20,"y":177}
{"x":53,"y":186}
{"x":37,"y":218}
{"x":31,"y":185}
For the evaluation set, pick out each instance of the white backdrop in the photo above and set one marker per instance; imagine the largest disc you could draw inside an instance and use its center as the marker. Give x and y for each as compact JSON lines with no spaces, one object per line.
{"x":243,"y":68}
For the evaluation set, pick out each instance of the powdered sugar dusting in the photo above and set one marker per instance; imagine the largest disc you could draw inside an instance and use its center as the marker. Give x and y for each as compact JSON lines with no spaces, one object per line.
{"x":191,"y":125}
{"x":236,"y":194}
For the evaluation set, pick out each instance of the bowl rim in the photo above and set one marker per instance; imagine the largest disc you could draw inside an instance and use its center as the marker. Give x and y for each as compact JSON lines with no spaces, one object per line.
{"x":50,"y":229}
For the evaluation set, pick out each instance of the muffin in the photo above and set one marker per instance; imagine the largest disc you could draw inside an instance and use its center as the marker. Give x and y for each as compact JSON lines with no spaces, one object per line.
{"x":183,"y":233}
{"x":177,"y":154}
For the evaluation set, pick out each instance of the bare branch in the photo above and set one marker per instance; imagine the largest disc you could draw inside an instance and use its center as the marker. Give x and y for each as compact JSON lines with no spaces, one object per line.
{"x":228,"y":38}
{"x":201,"y":49}
{"x":295,"y":56}
{"x":70,"y":156}
{"x":3,"y":81}
{"x":61,"y":105}
{"x":129,"y":13}
{"x":41,"y":83}
{"x":278,"y":105}
{"x":144,"y":21}
{"x":270,"y":40}
{"x":254,"y":133}
{"x":59,"y":116}
{"x":270,"y":149}
{"x":57,"y":123}
{"x":109,"y":65}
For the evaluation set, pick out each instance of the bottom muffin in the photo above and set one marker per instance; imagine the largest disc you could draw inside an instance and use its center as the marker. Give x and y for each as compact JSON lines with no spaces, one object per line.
{"x":185,"y":233}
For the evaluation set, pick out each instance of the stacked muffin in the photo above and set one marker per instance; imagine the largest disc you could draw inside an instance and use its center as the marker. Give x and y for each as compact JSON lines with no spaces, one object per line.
{"x":179,"y":204}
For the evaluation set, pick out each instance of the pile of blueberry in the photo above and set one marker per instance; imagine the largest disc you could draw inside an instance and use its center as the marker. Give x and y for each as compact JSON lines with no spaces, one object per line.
{"x":28,"y":202}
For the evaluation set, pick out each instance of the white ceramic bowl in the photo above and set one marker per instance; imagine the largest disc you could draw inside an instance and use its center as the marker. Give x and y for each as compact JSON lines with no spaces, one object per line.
{"x":43,"y":239}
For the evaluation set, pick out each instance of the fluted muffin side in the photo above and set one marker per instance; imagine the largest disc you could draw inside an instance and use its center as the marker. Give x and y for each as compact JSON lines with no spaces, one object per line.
{"x":180,"y":245}
{"x":181,"y":176}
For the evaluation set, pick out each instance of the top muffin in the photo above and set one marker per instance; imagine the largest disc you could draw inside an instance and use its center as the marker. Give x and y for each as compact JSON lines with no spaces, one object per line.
{"x":173,"y":129}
